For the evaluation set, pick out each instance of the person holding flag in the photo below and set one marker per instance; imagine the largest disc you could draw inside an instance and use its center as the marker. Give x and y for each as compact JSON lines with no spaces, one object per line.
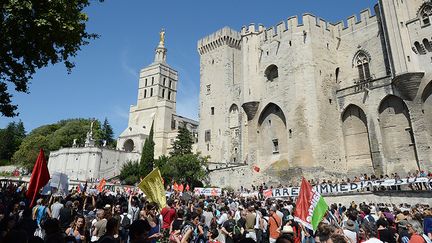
{"x":310,"y":206}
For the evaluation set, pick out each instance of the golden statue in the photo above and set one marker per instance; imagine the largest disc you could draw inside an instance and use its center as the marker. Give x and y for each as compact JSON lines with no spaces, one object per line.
{"x":162,"y":37}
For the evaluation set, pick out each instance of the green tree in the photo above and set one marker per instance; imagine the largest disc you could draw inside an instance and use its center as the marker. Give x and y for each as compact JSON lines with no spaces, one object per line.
{"x":107,"y":134}
{"x":167,"y":171}
{"x":147,"y":154}
{"x":12,"y":137}
{"x":188,"y":168}
{"x":77,"y":129}
{"x":35,"y":34}
{"x":53,"y":137}
{"x":183,"y":142}
{"x":129,"y":172}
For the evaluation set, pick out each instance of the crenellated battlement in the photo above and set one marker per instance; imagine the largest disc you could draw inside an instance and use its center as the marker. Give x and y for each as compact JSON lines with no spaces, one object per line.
{"x":310,"y":22}
{"x":224,"y":36}
{"x":354,"y":24}
{"x":307,"y":23}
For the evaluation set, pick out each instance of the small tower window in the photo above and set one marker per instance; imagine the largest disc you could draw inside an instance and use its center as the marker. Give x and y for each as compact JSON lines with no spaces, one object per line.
{"x":271,"y":72}
{"x":145,"y":93}
{"x":275,"y":146}
{"x":362,"y":62}
{"x":145,"y":82}
{"x":427,"y":45}
{"x":208,"y":87}
{"x":425,"y":13}
{"x":169,"y":95}
{"x":170,"y":84}
{"x":151,"y":92}
{"x":164,"y":79}
{"x":163,"y":93}
{"x":207,"y":136}
{"x":212,"y":110}
{"x":152,"y":80}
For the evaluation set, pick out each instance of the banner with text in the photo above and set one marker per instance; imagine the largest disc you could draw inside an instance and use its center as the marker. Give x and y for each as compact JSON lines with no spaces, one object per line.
{"x":329,"y":189}
{"x":208,"y":191}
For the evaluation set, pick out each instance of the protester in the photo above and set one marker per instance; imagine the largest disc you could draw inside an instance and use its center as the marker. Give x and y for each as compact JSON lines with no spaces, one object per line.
{"x":128,"y":216}
{"x":77,"y":230}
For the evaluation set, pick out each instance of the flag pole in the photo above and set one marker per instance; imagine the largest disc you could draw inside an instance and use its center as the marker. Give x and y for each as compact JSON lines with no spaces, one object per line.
{"x":334,"y":218}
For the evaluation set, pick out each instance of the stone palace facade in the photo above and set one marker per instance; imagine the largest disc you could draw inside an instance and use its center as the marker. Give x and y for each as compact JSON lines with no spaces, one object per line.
{"x":320,"y":100}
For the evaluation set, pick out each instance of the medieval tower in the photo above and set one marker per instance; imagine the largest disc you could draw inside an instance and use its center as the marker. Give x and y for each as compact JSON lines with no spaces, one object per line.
{"x":316,"y":99}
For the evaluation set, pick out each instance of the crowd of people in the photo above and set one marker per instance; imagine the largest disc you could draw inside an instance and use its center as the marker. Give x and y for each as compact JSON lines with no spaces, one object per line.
{"x":129,"y":217}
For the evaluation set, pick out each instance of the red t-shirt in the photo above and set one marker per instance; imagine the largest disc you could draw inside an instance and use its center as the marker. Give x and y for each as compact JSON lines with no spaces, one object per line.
{"x":168,"y":215}
{"x":416,"y":239}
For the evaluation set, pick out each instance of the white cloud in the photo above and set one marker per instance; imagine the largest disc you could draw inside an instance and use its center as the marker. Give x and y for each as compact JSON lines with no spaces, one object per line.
{"x":125,"y":66}
{"x":120,"y":112}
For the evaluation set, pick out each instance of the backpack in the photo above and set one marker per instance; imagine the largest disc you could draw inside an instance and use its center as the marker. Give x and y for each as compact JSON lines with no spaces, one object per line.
{"x":370,"y":219}
{"x":237,"y":231}
{"x":125,"y":222}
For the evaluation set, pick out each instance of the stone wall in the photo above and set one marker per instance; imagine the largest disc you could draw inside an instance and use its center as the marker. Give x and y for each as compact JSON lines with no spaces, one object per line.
{"x":89,"y":162}
{"x":317,"y":99}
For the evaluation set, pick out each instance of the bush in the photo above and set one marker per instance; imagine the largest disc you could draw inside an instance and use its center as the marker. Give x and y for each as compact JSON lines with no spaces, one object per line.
{"x":129,"y":173}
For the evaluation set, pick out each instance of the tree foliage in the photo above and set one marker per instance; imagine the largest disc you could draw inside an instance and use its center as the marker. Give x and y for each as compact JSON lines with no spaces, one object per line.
{"x":147,"y":155}
{"x":107,"y":134}
{"x":183,"y":142}
{"x":129,"y":173}
{"x":35,"y":34}
{"x":183,"y":166}
{"x":53,"y":137}
{"x":187,"y":168}
{"x":11,"y":138}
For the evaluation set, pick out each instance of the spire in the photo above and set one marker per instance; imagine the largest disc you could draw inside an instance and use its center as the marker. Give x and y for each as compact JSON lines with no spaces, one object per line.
{"x":160,"y":55}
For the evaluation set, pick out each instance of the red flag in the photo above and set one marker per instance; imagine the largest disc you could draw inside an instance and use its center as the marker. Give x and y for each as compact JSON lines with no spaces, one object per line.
{"x":303,"y":201}
{"x":101,"y":185}
{"x":310,"y":207}
{"x":175,"y":186}
{"x":268,"y":193}
{"x":39,"y":177}
{"x":256,"y":168}
{"x":187,"y":187}
{"x":181,"y":187}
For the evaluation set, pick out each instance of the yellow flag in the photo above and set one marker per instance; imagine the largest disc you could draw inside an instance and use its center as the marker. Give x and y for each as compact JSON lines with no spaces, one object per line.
{"x":153,"y":187}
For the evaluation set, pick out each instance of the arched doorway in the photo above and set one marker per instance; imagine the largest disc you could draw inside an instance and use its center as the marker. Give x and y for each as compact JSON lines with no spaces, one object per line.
{"x":356,"y":138}
{"x":272,"y":137}
{"x":129,"y":145}
{"x":398,"y":138}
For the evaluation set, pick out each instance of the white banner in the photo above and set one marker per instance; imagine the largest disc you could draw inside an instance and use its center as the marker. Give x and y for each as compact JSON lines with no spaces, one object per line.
{"x":215,"y":191}
{"x":329,"y":189}
{"x":58,"y":185}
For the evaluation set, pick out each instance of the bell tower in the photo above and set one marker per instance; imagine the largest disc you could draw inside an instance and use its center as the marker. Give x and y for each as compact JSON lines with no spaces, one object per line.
{"x":156,"y":104}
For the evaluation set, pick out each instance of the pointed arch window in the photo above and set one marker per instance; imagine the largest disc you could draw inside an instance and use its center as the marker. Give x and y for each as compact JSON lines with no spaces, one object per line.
{"x":361,"y":61}
{"x":425,"y":13}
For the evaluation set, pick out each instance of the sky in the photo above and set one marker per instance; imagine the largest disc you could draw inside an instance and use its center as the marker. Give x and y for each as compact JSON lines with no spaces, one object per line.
{"x":104,"y":82}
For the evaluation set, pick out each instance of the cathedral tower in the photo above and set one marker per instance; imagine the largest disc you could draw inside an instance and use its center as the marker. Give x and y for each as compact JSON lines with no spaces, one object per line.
{"x":156,"y":104}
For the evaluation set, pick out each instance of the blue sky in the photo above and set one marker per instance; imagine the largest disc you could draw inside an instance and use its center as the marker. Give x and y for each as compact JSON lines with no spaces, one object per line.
{"x":105,"y":80}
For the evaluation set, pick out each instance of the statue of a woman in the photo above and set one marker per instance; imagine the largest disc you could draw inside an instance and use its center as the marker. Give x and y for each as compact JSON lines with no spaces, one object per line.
{"x":162,"y":37}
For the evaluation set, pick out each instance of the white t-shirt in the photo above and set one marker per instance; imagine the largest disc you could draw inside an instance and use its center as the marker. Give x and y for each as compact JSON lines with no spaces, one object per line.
{"x":373,"y":240}
{"x":352,"y":236}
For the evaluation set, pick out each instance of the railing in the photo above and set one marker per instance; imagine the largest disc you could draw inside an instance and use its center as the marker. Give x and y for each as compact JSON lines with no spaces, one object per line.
{"x":363,"y":85}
